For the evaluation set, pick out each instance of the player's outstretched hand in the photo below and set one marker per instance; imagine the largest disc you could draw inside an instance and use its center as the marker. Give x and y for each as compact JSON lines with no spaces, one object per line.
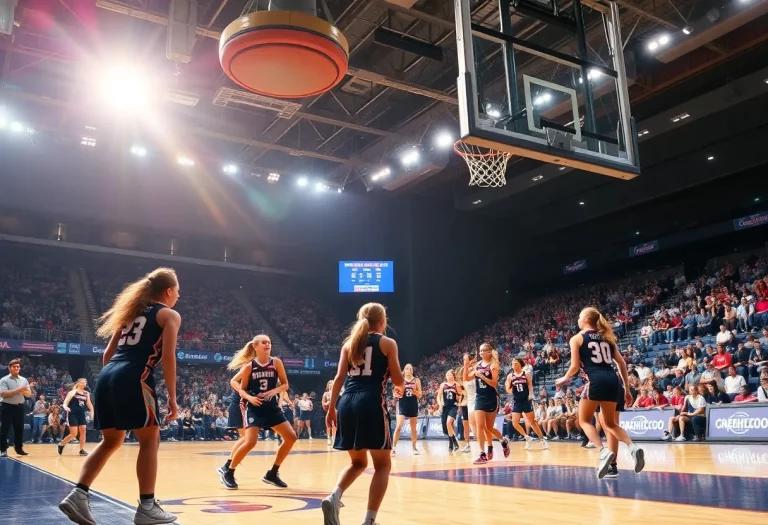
{"x":561,"y":381}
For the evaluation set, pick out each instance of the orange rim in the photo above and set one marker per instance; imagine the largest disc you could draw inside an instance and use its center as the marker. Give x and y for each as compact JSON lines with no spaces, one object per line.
{"x":491,"y":152}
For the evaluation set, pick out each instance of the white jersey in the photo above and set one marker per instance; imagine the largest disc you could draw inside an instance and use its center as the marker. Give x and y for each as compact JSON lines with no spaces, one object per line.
{"x":470,"y":394}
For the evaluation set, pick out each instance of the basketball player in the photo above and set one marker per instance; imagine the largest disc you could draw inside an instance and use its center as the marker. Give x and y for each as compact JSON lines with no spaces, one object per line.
{"x":613,"y":443}
{"x":486,"y":374}
{"x":305,"y":416}
{"x":593,"y":350}
{"x":367,"y":359}
{"x":520,"y":385}
{"x":447,"y":397}
{"x":326,"y":402}
{"x":235,"y":420}
{"x":469,"y":399}
{"x":408,"y":407}
{"x":76,"y":414}
{"x":143,"y":328}
{"x":258,"y":386}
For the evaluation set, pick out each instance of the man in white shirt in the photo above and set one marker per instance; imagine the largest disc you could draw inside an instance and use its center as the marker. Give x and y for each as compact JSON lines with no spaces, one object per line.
{"x":723,"y":336}
{"x":643,"y":372}
{"x":762,"y":391}
{"x":733,"y":383}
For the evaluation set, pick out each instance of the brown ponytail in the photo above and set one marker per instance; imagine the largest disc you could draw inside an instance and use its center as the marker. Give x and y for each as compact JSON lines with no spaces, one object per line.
{"x":596,"y":319}
{"x":134,"y":299}
{"x":369,"y":315}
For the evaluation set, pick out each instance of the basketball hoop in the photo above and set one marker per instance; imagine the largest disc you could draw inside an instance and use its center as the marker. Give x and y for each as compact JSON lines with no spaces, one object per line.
{"x":487,"y":167}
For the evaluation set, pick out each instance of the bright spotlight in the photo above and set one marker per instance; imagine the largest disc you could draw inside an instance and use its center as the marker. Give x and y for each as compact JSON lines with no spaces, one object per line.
{"x":185,"y":161}
{"x":138,"y":151}
{"x":302,"y":181}
{"x":273,"y":177}
{"x":664,"y":40}
{"x":125,"y":89}
{"x":320,"y":186}
{"x":386,"y":172}
{"x":230,"y":169}
{"x":653,"y":45}
{"x":88,"y":141}
{"x":688,"y":30}
{"x":410,"y":157}
{"x":444,"y":140}
{"x":17,"y":127}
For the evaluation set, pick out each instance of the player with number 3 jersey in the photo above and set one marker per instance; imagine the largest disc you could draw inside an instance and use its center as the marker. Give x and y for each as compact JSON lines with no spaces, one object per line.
{"x":593,"y":351}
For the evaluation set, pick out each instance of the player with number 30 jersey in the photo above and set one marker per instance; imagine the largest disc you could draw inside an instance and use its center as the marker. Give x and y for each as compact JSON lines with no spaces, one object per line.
{"x":596,"y":363}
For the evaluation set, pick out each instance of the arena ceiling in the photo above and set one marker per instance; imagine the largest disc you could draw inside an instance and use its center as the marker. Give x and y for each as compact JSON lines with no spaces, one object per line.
{"x":60,"y":49}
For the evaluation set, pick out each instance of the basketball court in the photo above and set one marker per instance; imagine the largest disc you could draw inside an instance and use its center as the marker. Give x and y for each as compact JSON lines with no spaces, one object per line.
{"x":694,"y":483}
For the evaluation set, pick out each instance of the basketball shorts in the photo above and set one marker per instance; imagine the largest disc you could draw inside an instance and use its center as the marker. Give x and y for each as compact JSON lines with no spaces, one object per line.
{"x":235,"y":419}
{"x":447,"y":412}
{"x":265,"y":416}
{"x":76,"y":418}
{"x":288,"y":414}
{"x":522,"y":406}
{"x":408,"y":407}
{"x":306,"y":415}
{"x":464,"y":412}
{"x":362,"y":422}
{"x":487,"y":404}
{"x":122,"y":400}
{"x":602,"y":386}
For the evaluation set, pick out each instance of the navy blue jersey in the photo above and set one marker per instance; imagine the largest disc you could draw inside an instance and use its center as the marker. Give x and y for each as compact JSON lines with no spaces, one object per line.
{"x":409,"y":389}
{"x":262,"y":379}
{"x":519,"y":387}
{"x":450,"y":395}
{"x":485,"y":392}
{"x":141,"y":340}
{"x":372,"y":374}
{"x":79,"y":402}
{"x":595,"y":353}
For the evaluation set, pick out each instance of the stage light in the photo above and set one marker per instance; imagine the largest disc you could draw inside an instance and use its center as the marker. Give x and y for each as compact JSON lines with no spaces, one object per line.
{"x":643,"y":133}
{"x":385,"y":172}
{"x":302,"y":181}
{"x":273,"y":177}
{"x":185,"y":161}
{"x":230,"y":169}
{"x":88,"y":141}
{"x":664,"y":40}
{"x":561,"y":168}
{"x":339,"y":190}
{"x":410,"y":157}
{"x":478,"y":201}
{"x":653,"y":45}
{"x":681,"y":116}
{"x":17,"y":127}
{"x":125,"y":89}
{"x":320,"y":186}
{"x":138,"y":151}
{"x":537,"y":177}
{"x":688,"y":30}
{"x":581,"y":203}
{"x":637,"y":233}
{"x":444,"y":140}
{"x":710,"y":158}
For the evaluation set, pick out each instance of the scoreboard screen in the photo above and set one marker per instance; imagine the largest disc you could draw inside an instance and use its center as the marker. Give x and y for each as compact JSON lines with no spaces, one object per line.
{"x":366,"y":276}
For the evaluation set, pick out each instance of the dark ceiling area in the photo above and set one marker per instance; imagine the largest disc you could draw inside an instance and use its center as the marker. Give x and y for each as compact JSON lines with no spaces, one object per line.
{"x":391,"y":98}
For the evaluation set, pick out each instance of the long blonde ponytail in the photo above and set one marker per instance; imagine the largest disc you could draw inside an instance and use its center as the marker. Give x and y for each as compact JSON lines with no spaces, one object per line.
{"x":245,"y":355}
{"x":369,"y":315}
{"x":594,"y":317}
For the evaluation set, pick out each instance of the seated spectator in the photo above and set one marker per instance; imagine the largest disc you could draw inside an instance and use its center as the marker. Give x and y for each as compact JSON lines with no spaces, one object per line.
{"x":762,"y":391}
{"x":711,"y":375}
{"x":644,"y":339}
{"x":644,"y":400}
{"x":704,"y":323}
{"x":733,"y":383}
{"x":643,"y":372}
{"x":715,"y":396}
{"x":745,"y":396}
{"x":695,"y":409}
{"x":724,"y":337}
{"x":757,"y":358}
{"x":741,"y":360}
{"x":723,"y":360}
{"x":729,"y":317}
{"x":659,"y":399}
{"x":688,"y":328}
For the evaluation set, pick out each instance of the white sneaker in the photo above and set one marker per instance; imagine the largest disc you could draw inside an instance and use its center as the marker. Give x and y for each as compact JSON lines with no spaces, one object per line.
{"x":606,"y":457}
{"x":544,"y":444}
{"x":77,"y":507}
{"x":590,"y":445}
{"x":154,"y":516}
{"x":638,"y":456}
{"x":328,"y":442}
{"x":528,"y":441}
{"x":331,"y":506}
{"x":310,"y":438}
{"x":416,"y":452}
{"x":680,"y":438}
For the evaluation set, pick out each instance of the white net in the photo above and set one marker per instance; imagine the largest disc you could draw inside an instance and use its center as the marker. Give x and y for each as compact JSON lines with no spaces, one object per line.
{"x":487,"y":167}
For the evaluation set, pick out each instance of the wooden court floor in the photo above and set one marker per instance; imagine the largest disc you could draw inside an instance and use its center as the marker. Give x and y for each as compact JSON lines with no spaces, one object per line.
{"x":682,"y":483}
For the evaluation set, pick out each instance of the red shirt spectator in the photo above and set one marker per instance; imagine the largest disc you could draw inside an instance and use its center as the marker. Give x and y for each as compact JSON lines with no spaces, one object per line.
{"x":646,"y":402}
{"x":722,"y":360}
{"x":677,"y":401}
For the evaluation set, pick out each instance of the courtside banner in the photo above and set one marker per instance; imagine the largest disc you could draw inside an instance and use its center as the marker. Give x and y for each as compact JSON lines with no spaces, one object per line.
{"x":434,"y":427}
{"x":648,"y":423}
{"x":575,"y":267}
{"x":750,"y":221}
{"x":642,"y":249}
{"x":405,"y":431}
{"x":738,"y":422}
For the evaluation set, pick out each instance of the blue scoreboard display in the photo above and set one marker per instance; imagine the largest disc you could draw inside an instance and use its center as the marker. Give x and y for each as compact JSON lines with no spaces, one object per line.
{"x":366,"y":276}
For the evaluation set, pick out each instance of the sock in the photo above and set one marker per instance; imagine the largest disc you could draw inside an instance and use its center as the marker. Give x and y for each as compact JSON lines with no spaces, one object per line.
{"x":82,"y":487}
{"x":370,"y":516}
{"x":274,"y":469}
{"x":147,"y":501}
{"x":337,"y":492}
{"x":228,"y":463}
{"x":614,"y":464}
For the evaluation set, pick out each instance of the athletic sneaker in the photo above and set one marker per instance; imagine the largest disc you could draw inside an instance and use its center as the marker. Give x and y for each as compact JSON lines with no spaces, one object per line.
{"x":466,"y":449}
{"x":60,"y":448}
{"x":328,"y":442}
{"x":590,"y":445}
{"x":490,"y":454}
{"x":274,"y":479}
{"x":228,"y":480}
{"x":638,"y":456}
{"x":528,"y":441}
{"x":606,"y":457}
{"x":77,"y":507}
{"x":613,"y":472}
{"x":152,"y":516}
{"x":505,"y":447}
{"x":83,"y":453}
{"x":667,"y":436}
{"x":482,"y":459}
{"x":544,"y":444}
{"x":222,"y":470}
{"x":331,"y":506}
{"x":416,"y":452}
{"x":680,"y":438}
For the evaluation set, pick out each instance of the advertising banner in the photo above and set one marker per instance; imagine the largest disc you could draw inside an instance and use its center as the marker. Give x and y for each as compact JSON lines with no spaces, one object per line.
{"x":750,"y":221}
{"x":575,"y":267}
{"x":738,"y":422}
{"x":642,"y":249}
{"x":649,"y":423}
{"x":405,"y":431}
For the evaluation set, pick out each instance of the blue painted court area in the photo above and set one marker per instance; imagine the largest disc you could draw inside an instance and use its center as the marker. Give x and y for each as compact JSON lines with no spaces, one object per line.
{"x":31,"y":496}
{"x":732,"y":492}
